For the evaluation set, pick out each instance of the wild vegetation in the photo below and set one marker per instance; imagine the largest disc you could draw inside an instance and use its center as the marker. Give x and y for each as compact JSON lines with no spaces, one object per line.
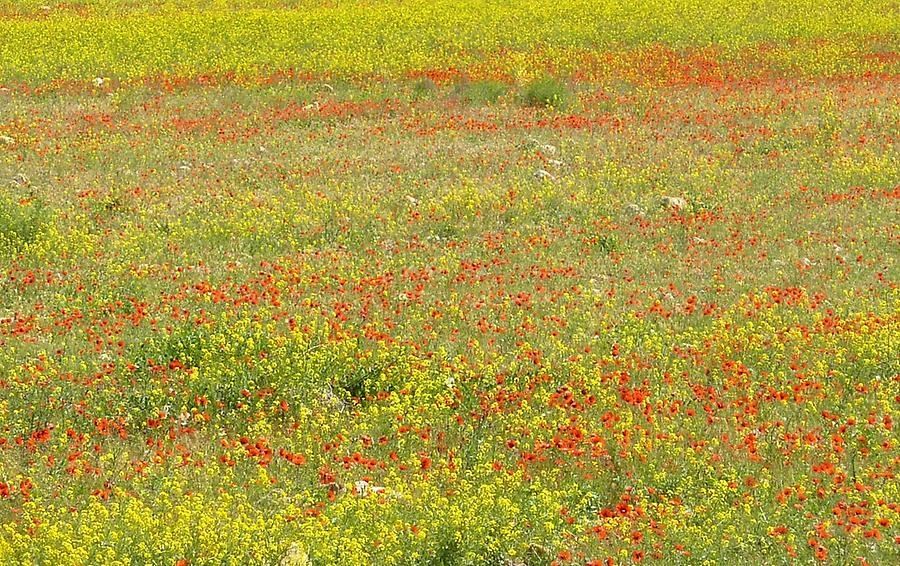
{"x":409,"y":282}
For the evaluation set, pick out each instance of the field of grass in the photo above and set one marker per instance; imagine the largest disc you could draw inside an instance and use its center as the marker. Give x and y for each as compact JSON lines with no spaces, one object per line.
{"x":442,"y":282}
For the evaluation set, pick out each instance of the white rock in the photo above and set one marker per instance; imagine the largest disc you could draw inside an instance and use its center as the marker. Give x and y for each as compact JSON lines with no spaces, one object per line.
{"x":674,"y":203}
{"x":545,"y":148}
{"x":7,"y":140}
{"x":544,"y":175}
{"x":364,"y":488}
{"x":332,"y":401}
{"x":555,"y":163}
{"x":98,"y":81}
{"x":634,"y":210}
{"x":295,"y":556}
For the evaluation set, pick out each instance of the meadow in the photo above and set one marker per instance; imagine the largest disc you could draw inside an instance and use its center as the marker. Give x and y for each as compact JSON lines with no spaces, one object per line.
{"x":401,"y":282}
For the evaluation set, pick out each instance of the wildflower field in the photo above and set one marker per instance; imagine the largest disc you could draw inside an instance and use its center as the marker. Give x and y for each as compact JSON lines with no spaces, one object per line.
{"x":417,"y":282}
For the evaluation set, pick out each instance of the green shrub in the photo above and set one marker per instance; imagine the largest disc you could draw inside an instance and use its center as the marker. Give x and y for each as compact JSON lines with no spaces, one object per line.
{"x":546,"y":92}
{"x":482,"y":92}
{"x":423,"y":88}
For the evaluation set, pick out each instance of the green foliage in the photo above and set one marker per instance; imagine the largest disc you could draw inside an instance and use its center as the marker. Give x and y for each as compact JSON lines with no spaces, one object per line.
{"x":423,"y":88}
{"x":606,"y":243}
{"x":546,"y":92}
{"x":482,"y":92}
